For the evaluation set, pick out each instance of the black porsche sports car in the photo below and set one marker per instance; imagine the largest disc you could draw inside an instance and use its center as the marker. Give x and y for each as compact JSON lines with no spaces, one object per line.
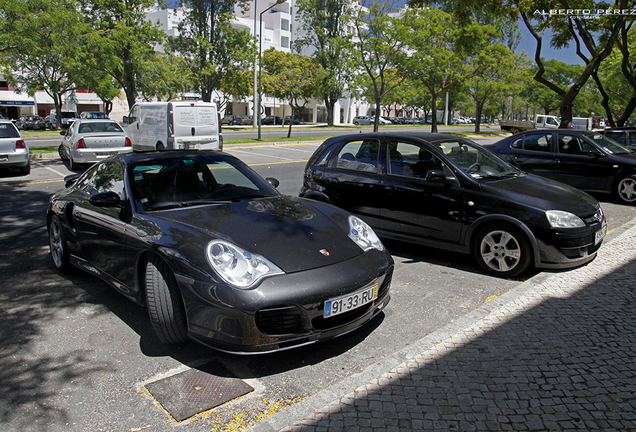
{"x":217,"y":254}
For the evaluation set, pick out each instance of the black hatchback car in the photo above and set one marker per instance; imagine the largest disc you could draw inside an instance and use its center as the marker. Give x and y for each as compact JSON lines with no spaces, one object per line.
{"x":586,"y":160}
{"x":450,"y":193}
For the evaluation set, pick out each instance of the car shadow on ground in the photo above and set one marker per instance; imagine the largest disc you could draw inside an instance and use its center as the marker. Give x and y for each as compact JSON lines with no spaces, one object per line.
{"x":410,"y":253}
{"x":76,"y":289}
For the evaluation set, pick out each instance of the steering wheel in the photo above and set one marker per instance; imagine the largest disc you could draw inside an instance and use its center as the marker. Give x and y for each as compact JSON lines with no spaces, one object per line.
{"x":476,"y":165}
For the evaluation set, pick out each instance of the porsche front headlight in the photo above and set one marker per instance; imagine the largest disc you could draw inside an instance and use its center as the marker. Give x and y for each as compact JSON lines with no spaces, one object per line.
{"x":363,"y":234}
{"x":563,"y":219}
{"x":237,"y":266}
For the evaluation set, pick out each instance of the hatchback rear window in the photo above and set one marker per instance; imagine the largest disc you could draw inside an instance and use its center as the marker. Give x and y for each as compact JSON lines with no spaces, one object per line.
{"x":7,"y":130}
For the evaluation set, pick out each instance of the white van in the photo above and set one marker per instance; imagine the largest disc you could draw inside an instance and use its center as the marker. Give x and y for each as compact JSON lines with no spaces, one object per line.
{"x":181,"y":125}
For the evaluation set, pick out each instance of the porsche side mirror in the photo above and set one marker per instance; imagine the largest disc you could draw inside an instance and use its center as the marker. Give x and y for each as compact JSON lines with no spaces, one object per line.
{"x":272,"y":181}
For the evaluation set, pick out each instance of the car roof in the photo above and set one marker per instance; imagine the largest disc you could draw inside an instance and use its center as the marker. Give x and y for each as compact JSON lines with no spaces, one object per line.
{"x":424,"y":136}
{"x":135,"y":156}
{"x":620,"y":128}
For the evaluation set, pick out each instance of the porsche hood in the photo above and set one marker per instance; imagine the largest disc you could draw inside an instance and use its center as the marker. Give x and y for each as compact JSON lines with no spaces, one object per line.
{"x":293,"y":233}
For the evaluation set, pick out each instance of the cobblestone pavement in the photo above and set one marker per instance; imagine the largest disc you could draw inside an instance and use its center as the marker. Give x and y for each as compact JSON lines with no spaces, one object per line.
{"x":558,"y":355}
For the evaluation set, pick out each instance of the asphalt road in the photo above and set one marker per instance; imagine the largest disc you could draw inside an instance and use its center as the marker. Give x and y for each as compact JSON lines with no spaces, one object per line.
{"x":75,"y":355}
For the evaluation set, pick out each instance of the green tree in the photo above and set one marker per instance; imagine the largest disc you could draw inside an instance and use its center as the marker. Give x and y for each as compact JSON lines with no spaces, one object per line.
{"x":325,"y":30}
{"x":593,"y":39}
{"x":378,"y":50}
{"x":210,"y":45}
{"x":36,"y":51}
{"x":122,"y":43}
{"x":439,"y":51}
{"x":291,"y":76}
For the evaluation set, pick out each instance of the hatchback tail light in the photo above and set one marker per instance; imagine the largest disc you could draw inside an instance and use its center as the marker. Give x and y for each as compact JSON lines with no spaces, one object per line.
{"x":128,"y":142}
{"x":19,"y":144}
{"x":81,"y":143}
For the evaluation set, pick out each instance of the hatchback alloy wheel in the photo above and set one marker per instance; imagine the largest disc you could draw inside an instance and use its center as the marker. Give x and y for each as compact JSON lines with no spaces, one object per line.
{"x":502,"y":251}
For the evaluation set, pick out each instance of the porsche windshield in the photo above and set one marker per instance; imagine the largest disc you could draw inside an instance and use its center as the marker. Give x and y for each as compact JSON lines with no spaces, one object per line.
{"x":181,"y":181}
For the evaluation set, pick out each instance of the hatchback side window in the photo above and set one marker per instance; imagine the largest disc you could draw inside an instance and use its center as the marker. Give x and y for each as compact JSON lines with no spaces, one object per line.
{"x":359,"y":156}
{"x":537,"y":142}
{"x":410,"y":160}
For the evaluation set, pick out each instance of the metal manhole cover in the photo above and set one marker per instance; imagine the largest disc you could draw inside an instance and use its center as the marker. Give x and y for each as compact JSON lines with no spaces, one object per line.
{"x":188,"y":393}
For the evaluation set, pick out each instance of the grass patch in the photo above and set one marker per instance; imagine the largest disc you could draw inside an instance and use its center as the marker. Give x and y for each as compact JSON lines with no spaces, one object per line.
{"x":42,"y":150}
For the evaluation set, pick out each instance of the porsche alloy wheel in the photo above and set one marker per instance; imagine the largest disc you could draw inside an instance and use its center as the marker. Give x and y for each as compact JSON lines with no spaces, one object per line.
{"x":165,"y":306}
{"x":502,"y":251}
{"x":57,"y":245}
{"x":626,"y":190}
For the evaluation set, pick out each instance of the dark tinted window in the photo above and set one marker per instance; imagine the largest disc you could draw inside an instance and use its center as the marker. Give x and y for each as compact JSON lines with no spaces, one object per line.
{"x":359,"y":156}
{"x":7,"y":130}
{"x":539,"y":141}
{"x":570,"y":144}
{"x":410,"y":160}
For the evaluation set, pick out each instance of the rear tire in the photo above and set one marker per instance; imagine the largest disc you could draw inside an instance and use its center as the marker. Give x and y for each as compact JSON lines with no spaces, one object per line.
{"x":26,"y":170}
{"x":57,"y":246}
{"x":72,"y":165}
{"x":502,"y":250}
{"x":165,"y":306}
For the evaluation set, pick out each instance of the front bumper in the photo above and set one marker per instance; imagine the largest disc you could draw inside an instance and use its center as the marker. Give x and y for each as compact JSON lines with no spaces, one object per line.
{"x":284,"y":311}
{"x":561,"y":249}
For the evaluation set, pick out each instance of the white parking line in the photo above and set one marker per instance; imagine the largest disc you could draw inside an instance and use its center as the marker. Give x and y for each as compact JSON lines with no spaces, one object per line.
{"x":257,"y":154}
{"x":287,"y":148}
{"x":56,"y":172}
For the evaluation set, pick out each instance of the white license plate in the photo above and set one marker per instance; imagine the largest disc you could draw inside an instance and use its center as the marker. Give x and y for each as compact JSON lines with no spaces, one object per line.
{"x":600,"y":235}
{"x":103,"y":154}
{"x":343,"y":304}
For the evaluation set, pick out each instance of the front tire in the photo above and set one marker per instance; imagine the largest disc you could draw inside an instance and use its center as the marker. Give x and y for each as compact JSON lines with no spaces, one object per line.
{"x":626,"y":190}
{"x":503,"y":251}
{"x":165,"y":306}
{"x":57,"y":246}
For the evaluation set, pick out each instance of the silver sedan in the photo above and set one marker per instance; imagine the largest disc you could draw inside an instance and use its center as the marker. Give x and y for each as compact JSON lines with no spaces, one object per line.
{"x":14,"y":153}
{"x":89,"y":141}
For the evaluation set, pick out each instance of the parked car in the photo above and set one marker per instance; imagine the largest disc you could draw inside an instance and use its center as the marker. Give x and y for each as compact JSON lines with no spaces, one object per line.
{"x":30,"y":122}
{"x":93,"y":115}
{"x":286,"y":120}
{"x":232,"y":120}
{"x":272,"y":120}
{"x":248,"y":120}
{"x":216,"y":254}
{"x":178,"y":125}
{"x":66,"y":118}
{"x":626,"y":136}
{"x":363,"y":120}
{"x":586,"y":160}
{"x":447,"y":192}
{"x":14,"y":152}
{"x":89,"y":141}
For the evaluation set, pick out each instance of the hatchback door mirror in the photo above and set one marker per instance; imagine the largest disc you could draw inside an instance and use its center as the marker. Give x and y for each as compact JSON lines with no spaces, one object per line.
{"x":105,"y":199}
{"x":439,"y":176}
{"x":594,"y":153}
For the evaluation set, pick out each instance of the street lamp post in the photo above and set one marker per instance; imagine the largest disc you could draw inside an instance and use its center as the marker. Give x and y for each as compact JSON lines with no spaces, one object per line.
{"x":255,"y":105}
{"x":260,"y":64}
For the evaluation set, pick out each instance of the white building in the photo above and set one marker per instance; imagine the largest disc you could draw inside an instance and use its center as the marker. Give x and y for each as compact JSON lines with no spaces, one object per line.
{"x":278,"y":29}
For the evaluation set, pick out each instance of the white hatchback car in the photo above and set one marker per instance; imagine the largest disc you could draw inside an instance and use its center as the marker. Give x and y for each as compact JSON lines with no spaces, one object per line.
{"x":14,"y":152}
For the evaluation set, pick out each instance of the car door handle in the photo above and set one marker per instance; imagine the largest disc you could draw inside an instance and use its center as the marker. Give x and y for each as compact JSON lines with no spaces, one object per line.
{"x":390,"y":190}
{"x":334,"y":180}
